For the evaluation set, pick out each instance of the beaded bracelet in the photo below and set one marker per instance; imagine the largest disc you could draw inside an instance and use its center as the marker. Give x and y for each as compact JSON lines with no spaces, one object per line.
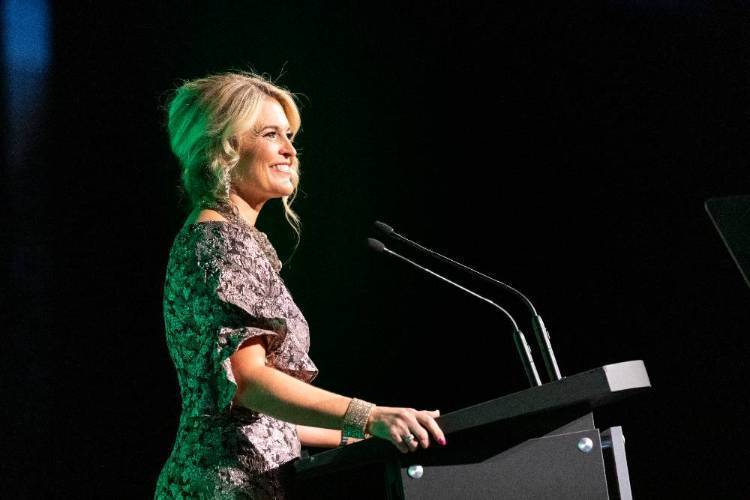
{"x":355,"y":420}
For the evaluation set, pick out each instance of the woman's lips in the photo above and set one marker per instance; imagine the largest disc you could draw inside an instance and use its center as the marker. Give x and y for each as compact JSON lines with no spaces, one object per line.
{"x":282,"y":167}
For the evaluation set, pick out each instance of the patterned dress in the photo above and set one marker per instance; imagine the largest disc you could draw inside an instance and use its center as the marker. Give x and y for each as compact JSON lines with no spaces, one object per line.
{"x":223,"y":287}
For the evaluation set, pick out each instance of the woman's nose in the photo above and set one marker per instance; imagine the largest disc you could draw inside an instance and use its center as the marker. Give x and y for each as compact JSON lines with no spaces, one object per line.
{"x":287,"y":149}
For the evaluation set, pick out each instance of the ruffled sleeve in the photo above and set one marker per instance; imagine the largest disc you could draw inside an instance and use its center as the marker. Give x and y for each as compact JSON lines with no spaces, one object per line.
{"x":249,"y":297}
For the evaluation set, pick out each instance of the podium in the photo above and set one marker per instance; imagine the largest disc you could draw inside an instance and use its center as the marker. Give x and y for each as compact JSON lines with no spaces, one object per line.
{"x":536,"y":443}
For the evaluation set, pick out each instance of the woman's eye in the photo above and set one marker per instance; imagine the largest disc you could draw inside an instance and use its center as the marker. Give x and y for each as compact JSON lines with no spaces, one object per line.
{"x":289,"y":136}
{"x":271,"y":134}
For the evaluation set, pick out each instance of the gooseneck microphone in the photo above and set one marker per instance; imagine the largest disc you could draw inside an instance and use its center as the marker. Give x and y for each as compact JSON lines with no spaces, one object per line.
{"x":540,"y":331}
{"x":524,"y":351}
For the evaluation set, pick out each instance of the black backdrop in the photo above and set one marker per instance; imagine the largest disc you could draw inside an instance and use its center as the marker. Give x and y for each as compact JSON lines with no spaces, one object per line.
{"x":566,"y":148}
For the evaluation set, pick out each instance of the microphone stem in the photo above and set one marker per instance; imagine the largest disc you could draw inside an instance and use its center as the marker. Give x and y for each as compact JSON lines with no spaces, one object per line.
{"x":524,"y":351}
{"x":540,"y":331}
{"x":548,"y":355}
{"x":467,"y":268}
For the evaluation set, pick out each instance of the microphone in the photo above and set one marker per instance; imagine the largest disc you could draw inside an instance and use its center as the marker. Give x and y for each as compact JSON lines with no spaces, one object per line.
{"x":524,"y":351}
{"x":540,"y":331}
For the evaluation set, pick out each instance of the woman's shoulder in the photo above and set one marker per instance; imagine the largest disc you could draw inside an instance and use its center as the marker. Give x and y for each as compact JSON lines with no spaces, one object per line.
{"x":201,"y":237}
{"x":208,"y":215}
{"x":214,"y":236}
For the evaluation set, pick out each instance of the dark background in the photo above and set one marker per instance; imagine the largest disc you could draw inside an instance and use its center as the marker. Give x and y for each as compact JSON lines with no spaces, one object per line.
{"x":564,"y":147}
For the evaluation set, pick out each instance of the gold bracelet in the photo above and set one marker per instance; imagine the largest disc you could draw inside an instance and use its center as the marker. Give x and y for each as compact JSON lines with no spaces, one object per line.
{"x":355,"y":419}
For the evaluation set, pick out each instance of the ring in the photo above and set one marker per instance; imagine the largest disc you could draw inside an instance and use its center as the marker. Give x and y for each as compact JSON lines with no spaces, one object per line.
{"x":408,"y":438}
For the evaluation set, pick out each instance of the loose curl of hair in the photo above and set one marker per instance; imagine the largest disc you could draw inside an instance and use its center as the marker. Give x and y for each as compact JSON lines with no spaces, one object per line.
{"x":206,"y":117}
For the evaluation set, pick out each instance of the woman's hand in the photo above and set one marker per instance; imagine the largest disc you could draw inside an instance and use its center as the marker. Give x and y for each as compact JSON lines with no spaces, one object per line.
{"x":398,"y":424}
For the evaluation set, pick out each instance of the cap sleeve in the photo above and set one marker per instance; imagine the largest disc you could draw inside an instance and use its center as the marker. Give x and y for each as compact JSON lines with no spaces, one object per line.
{"x":245,"y":287}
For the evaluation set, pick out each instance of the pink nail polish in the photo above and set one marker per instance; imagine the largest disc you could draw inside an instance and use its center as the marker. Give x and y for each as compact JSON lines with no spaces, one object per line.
{"x":442,"y":442}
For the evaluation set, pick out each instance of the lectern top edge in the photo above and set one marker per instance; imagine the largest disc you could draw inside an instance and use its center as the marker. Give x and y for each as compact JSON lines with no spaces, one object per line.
{"x":593,"y":387}
{"x":627,"y":375}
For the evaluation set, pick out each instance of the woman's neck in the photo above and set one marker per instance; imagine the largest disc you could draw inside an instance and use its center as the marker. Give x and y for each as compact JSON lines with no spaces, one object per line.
{"x":249,"y":212}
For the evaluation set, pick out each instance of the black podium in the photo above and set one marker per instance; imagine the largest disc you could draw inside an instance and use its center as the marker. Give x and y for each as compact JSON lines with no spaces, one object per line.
{"x":537,"y":443}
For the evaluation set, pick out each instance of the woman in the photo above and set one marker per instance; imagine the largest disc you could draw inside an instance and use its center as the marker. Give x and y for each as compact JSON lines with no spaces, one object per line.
{"x":238,"y":341}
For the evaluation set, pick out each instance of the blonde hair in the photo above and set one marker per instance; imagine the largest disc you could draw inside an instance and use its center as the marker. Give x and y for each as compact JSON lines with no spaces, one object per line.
{"x":205,"y":118}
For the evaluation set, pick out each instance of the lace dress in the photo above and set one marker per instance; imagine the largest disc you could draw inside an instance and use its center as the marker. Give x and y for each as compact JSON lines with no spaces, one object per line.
{"x":223,"y":287}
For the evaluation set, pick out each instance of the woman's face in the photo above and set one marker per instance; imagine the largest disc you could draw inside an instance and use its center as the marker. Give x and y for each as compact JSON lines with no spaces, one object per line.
{"x":267,"y":157}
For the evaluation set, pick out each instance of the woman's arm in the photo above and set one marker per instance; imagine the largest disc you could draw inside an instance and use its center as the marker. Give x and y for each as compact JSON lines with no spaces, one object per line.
{"x":282,"y":396}
{"x":268,"y":390}
{"x":318,"y":437}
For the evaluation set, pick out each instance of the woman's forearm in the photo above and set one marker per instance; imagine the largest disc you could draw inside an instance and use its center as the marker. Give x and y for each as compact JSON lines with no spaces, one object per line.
{"x":268,"y":390}
{"x":282,"y":396}
{"x":318,"y":437}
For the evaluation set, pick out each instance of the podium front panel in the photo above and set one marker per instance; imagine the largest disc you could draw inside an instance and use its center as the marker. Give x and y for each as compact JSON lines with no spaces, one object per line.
{"x":567,"y":466}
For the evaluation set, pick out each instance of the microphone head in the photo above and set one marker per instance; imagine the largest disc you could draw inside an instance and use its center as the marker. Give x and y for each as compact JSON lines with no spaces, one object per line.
{"x":375,"y":245}
{"x":383,"y":227}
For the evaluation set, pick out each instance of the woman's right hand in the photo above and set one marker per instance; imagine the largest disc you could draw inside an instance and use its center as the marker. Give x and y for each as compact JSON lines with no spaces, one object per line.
{"x":396,"y":424}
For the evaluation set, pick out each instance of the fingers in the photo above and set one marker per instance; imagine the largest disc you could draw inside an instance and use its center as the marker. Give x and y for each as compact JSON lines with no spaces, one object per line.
{"x":405,"y":437}
{"x":398,"y":442}
{"x":406,"y":428}
{"x":427,"y":419}
{"x":422,"y":424}
{"x":415,"y":434}
{"x":412,"y":442}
